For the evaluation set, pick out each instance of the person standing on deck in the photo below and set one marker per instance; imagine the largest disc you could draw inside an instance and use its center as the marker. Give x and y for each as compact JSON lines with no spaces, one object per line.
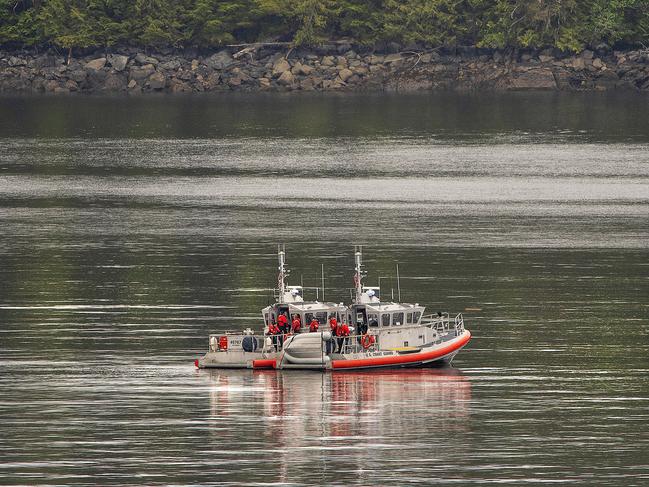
{"x":314,"y":325}
{"x":284,"y":328}
{"x":333,"y":323}
{"x":297,"y":324}
{"x":273,"y":331}
{"x":282,"y":322}
{"x":342,"y":332}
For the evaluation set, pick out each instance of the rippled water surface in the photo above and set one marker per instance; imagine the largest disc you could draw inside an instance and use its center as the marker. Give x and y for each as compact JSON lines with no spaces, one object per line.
{"x":132,"y":228}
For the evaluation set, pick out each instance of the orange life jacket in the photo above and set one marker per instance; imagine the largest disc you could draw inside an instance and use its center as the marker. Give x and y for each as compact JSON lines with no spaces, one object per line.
{"x":296,"y":325}
{"x":333,"y":323}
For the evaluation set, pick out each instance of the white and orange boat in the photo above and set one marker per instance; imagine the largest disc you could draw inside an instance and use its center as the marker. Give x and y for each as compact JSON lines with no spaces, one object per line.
{"x":383,"y":334}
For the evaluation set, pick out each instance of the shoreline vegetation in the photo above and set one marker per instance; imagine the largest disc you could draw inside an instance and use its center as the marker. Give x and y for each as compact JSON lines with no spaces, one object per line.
{"x":137,"y":46}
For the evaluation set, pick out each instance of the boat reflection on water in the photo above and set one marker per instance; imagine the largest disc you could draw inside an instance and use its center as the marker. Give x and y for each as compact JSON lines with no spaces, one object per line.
{"x":319,"y":416}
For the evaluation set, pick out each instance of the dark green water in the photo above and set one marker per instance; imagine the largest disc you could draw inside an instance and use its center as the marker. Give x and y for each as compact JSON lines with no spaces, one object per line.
{"x":132,"y":228}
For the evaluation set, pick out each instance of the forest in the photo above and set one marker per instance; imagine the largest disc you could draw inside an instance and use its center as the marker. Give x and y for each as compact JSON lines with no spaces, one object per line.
{"x":568,"y":25}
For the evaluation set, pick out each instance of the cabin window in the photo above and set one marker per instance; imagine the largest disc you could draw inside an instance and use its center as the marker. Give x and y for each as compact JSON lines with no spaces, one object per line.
{"x":373,"y":320}
{"x":359,"y":317}
{"x":385,"y":319}
{"x":308,"y":317}
{"x":266,"y":319}
{"x":409,"y":318}
{"x":321,"y":317}
{"x":416,"y":317}
{"x":397,"y":319}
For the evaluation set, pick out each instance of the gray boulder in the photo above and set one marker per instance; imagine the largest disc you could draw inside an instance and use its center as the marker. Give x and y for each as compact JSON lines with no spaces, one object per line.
{"x":16,"y":61}
{"x":300,"y":69}
{"x":115,"y":83}
{"x":286,"y":78}
{"x":96,"y":64}
{"x":212,"y":81}
{"x":78,"y":75}
{"x":117,"y":61}
{"x":51,"y":85}
{"x":344,"y":74}
{"x":157,"y":81}
{"x":185,"y":75}
{"x":597,"y":63}
{"x":281,"y":66}
{"x":220,"y":60}
{"x":607,"y":80}
{"x":534,"y":79}
{"x":578,"y":63}
{"x":328,"y":61}
{"x":71,"y":85}
{"x":172,"y":65}
{"x":143,"y":59}
{"x":264,"y":83}
{"x":141,"y":73}
{"x":95,"y":80}
{"x":44,"y":61}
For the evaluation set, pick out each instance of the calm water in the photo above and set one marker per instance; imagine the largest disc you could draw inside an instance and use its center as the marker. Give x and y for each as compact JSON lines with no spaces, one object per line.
{"x":131,"y":228}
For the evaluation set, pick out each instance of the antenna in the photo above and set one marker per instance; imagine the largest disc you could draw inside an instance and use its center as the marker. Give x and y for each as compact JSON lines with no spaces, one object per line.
{"x":358,"y":276}
{"x":281,"y":254}
{"x":323,"y":280}
{"x":398,"y":283}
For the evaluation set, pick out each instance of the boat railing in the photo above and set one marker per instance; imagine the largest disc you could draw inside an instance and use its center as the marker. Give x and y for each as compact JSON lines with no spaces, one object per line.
{"x":442,"y":323}
{"x":273,"y":343}
{"x":352,"y":344}
{"x":348,"y":344}
{"x":459,"y":323}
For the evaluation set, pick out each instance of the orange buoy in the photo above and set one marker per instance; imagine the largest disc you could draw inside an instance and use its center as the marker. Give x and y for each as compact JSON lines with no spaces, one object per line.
{"x":367,"y":341}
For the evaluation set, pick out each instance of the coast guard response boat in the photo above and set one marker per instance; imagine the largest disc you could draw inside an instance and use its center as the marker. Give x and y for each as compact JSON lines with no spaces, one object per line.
{"x":376,"y":333}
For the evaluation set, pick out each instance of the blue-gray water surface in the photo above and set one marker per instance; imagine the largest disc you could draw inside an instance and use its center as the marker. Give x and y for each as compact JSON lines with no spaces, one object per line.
{"x":131,"y":228}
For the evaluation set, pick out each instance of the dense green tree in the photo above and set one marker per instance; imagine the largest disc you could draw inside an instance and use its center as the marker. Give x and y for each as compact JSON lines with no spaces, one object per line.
{"x":565,"y":24}
{"x":67,"y":24}
{"x":538,"y":23}
{"x":18,"y":24}
{"x":615,"y":21}
{"x":156,"y":23}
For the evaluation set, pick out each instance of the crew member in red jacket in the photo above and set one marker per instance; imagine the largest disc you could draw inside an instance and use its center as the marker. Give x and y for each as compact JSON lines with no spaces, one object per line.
{"x":273,"y":331}
{"x":342,"y":332}
{"x":282,"y":322}
{"x":333,"y":323}
{"x":297,"y":324}
{"x":314,"y":325}
{"x":284,"y":328}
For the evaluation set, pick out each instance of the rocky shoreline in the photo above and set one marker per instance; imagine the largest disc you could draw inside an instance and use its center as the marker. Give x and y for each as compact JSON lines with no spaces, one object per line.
{"x":331,"y":68}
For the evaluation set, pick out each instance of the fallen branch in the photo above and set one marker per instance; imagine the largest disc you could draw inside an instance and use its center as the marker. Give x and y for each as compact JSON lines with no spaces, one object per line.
{"x":260,"y":44}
